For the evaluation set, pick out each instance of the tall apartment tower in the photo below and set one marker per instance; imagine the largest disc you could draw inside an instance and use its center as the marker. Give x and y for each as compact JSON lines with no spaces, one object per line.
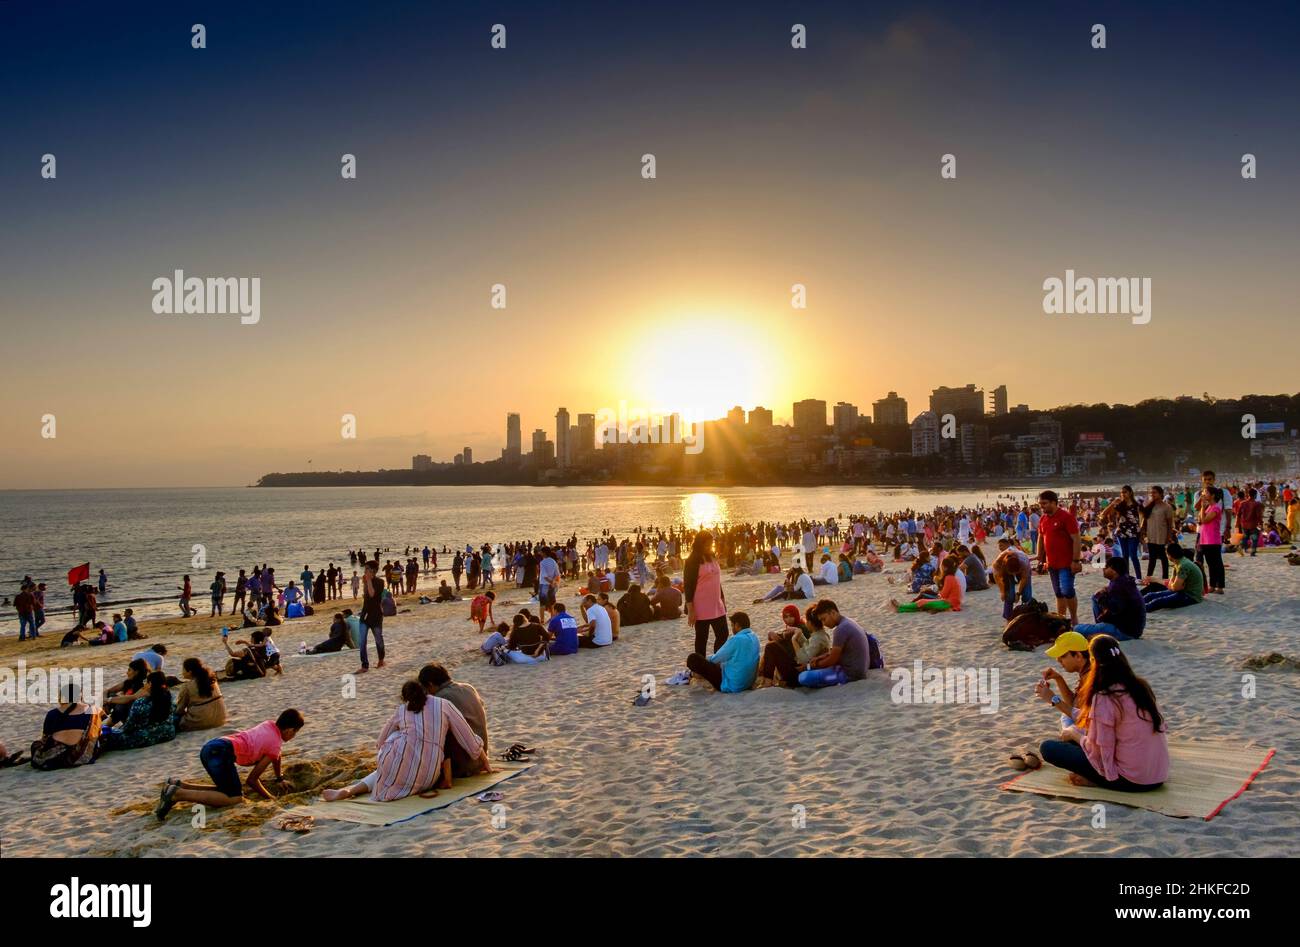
{"x":890,"y":409}
{"x":562,"y":437}
{"x":999,"y":401}
{"x":514,"y":439}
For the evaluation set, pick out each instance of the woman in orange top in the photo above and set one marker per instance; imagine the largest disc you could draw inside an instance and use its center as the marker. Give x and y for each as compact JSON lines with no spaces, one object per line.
{"x":948,"y":597}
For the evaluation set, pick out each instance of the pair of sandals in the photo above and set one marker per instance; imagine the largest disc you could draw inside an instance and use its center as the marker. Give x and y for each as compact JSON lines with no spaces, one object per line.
{"x":15,"y":759}
{"x":518,"y":753}
{"x":167,"y":798}
{"x":1026,"y":758}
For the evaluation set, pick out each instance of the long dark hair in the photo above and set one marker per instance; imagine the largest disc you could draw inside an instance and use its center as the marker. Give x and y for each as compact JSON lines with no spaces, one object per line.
{"x":414,"y":694}
{"x":137,"y":672}
{"x":203,"y":678}
{"x":700,"y":551}
{"x":160,"y":698}
{"x":1109,"y":673}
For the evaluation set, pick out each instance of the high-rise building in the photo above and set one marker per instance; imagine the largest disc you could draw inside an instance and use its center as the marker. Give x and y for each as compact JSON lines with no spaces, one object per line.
{"x":421,"y":462}
{"x":973,"y":441}
{"x":539,"y":440}
{"x":586,"y":434}
{"x":965,"y":404}
{"x":571,"y":446}
{"x":846,"y":419}
{"x":458,"y":459}
{"x":562,"y":437}
{"x":468,"y":455}
{"x":514,"y":442}
{"x":925,"y":434}
{"x":760,"y":417}
{"x":810,"y":417}
{"x":890,"y":409}
{"x":998,"y":399}
{"x":736,"y":416}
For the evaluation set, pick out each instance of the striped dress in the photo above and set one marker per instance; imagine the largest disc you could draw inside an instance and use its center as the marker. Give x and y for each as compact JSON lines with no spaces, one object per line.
{"x":411,"y":748}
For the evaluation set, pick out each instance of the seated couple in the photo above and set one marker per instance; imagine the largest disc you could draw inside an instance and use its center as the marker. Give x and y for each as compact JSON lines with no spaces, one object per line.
{"x":345,"y":632}
{"x":1112,"y":732}
{"x":526,"y":643}
{"x":419,"y":746}
{"x":798,"y":584}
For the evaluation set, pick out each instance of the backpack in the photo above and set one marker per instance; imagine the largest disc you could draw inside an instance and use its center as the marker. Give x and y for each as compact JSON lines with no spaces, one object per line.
{"x":498,"y":656}
{"x":1032,"y":624}
{"x":874,"y":658}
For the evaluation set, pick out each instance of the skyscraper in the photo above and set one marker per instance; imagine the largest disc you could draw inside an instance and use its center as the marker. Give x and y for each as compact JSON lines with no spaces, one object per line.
{"x":562,"y":437}
{"x":890,"y":409}
{"x":965,"y":404}
{"x":999,"y":399}
{"x":539,"y":441}
{"x":810,"y":417}
{"x":736,"y":416}
{"x":514,"y":442}
{"x":586,"y":434}
{"x":846,"y":419}
{"x":760,"y":417}
{"x":925,"y":434}
{"x":468,"y":454}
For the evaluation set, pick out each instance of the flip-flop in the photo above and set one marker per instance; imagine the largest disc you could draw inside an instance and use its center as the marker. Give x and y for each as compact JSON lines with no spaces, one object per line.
{"x":166,"y":799}
{"x":492,"y":796}
{"x":1017,"y":761}
{"x":297,"y":823}
{"x":1031,"y":757}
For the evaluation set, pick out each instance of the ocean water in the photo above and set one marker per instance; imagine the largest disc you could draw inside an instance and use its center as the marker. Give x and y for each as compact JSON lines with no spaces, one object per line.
{"x":144,"y":539}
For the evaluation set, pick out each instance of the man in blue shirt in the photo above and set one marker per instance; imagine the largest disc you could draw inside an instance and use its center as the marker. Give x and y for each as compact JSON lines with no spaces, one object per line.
{"x":563,"y":630}
{"x":734,"y":666}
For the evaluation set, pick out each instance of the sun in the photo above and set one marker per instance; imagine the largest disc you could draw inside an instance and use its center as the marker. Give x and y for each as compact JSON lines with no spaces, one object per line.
{"x":700,"y":366}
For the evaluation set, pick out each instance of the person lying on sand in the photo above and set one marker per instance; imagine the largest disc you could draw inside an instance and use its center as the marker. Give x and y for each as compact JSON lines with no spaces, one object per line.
{"x":258,"y":747}
{"x":412,"y":757}
{"x":1118,"y":739}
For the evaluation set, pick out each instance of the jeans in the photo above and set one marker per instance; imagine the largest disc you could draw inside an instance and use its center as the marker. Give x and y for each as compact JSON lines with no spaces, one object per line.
{"x":1250,"y":538}
{"x":366,"y":631}
{"x":697,"y":663}
{"x":823,"y":677}
{"x":1156,"y":552}
{"x":1129,"y":549}
{"x":25,"y":622}
{"x":1026,"y":594}
{"x":720,"y":634}
{"x":1167,"y":598}
{"x":1214,"y":564}
{"x":1069,"y":755}
{"x":1062,"y":582}
{"x":1101,"y":628}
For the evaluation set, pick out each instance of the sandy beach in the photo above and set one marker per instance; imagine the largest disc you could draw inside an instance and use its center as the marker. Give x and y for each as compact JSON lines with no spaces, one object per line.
{"x":694,"y":772}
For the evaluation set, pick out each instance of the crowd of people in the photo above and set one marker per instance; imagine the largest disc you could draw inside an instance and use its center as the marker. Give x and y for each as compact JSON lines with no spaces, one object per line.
{"x":1112,"y":732}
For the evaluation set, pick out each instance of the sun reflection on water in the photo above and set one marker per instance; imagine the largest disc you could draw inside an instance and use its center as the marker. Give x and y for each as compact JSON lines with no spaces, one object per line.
{"x":703,"y":509}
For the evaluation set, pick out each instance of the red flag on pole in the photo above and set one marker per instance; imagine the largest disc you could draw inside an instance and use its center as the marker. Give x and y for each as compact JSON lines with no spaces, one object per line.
{"x":79,"y":573}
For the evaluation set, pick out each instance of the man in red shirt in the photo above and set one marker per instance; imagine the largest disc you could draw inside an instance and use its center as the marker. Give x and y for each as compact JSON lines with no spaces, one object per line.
{"x":1058,"y":550}
{"x":25,"y":603}
{"x":1250,"y":516}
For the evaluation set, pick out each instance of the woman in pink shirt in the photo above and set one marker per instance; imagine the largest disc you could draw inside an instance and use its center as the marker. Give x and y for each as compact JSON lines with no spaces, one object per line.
{"x":706,"y":607}
{"x":1118,"y":737}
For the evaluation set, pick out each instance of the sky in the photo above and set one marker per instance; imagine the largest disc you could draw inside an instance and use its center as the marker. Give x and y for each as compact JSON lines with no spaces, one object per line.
{"x":522,"y":166}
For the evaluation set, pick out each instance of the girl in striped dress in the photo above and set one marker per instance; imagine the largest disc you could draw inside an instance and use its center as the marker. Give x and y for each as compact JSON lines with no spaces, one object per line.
{"x":412,"y":749}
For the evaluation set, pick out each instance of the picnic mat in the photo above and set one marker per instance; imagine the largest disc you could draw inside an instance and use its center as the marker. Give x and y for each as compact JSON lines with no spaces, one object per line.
{"x":365,"y":811}
{"x":1203,"y":778}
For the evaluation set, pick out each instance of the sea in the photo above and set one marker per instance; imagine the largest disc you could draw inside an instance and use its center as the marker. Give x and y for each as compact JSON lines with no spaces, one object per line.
{"x":146,"y":540}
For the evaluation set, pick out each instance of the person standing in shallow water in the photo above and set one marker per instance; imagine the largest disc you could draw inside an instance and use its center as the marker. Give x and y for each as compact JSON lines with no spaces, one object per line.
{"x":372,"y":616}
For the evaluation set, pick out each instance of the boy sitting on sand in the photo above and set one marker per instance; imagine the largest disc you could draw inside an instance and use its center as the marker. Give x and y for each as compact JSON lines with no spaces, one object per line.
{"x":258,"y":747}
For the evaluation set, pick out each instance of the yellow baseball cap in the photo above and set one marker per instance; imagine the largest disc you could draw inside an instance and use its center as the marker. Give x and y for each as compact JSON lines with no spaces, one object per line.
{"x":1070,"y":641}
